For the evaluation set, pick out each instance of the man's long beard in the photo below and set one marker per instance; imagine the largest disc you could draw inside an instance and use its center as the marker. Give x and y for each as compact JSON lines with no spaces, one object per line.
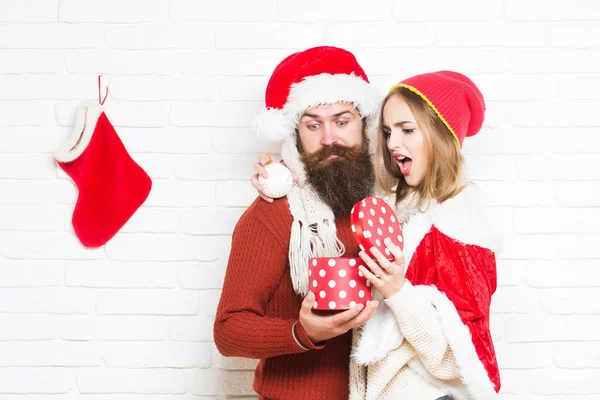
{"x":343,"y":181}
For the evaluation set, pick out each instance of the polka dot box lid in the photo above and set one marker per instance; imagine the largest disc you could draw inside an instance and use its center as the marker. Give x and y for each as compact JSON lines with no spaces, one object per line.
{"x":372,"y":221}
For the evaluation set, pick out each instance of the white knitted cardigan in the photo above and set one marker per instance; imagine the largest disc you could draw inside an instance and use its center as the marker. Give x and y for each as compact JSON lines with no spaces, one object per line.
{"x":462,"y":219}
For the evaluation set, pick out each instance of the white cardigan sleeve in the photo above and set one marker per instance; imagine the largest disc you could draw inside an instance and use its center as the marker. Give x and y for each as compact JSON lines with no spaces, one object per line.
{"x":421,"y":326}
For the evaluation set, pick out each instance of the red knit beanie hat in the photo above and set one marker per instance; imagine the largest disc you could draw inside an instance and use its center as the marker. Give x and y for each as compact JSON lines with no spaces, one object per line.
{"x":455,"y":99}
{"x":320,"y":75}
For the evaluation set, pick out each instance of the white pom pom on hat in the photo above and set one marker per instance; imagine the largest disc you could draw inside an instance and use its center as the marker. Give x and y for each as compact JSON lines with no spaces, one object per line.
{"x":272,"y":125}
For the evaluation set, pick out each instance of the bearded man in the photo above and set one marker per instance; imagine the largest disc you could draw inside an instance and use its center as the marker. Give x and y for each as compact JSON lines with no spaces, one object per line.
{"x":321,"y":102}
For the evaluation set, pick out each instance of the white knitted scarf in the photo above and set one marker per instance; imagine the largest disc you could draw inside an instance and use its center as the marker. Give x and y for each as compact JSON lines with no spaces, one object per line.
{"x":313,"y":229}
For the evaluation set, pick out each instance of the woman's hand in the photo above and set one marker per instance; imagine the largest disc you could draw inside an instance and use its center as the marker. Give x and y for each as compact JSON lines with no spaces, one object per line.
{"x":260,"y":170}
{"x":387,"y":276}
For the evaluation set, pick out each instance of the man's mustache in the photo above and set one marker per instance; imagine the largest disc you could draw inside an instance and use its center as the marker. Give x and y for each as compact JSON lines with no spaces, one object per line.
{"x":332,"y":150}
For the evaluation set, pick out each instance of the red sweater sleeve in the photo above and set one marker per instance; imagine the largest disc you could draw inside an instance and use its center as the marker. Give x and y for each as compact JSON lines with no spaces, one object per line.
{"x":257,"y":265}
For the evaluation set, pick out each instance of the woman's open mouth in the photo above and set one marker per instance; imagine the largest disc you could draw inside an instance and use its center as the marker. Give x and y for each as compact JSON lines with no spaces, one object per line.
{"x":405,"y":164}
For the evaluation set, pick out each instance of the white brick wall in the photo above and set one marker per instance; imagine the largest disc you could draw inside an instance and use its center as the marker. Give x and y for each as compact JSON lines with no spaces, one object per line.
{"x":133,"y":320}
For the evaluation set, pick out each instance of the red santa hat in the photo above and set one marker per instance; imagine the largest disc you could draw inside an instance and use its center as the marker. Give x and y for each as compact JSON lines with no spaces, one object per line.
{"x":316,"y":76}
{"x":455,"y":99}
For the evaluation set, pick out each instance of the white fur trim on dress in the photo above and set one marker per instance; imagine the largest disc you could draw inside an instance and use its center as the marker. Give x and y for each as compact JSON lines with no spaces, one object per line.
{"x":474,"y":376}
{"x":322,"y":89}
{"x":462,"y":218}
{"x":86,"y":117}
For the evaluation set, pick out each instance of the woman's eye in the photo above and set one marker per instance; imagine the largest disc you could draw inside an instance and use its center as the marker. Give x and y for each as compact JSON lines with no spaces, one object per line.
{"x":411,"y":130}
{"x":386,"y":132}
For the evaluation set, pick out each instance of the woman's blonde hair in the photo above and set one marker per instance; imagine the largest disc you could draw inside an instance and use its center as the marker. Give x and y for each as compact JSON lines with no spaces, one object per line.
{"x":444,"y":162}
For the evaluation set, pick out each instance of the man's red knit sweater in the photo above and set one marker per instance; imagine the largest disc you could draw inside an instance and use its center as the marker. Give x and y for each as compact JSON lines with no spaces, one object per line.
{"x":259,"y":307}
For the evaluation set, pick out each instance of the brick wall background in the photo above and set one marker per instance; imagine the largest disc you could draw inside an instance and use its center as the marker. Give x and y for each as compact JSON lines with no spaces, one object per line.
{"x":133,"y":319}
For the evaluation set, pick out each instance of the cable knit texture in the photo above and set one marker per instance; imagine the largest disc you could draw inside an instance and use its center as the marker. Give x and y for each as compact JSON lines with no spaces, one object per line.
{"x":259,"y":307}
{"x":391,"y":377}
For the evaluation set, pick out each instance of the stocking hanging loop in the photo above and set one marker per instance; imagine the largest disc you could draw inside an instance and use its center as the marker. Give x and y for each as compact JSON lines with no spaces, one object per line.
{"x":100,"y":99}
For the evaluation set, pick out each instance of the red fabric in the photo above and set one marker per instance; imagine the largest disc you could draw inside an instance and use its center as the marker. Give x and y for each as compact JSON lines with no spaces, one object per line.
{"x":111,"y":186}
{"x":313,"y":61}
{"x":455,"y":97}
{"x":467,"y":275}
{"x":258,"y":308}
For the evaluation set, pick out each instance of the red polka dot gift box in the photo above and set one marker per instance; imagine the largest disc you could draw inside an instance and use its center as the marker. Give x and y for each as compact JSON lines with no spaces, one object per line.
{"x":373,"y":220}
{"x":337,"y":283}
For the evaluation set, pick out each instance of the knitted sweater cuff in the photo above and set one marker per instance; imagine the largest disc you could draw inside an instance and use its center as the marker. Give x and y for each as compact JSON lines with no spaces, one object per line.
{"x":401,"y":300}
{"x":303,"y":340}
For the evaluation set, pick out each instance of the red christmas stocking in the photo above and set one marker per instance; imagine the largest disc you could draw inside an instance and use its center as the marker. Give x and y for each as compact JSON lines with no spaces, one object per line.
{"x":111,"y":185}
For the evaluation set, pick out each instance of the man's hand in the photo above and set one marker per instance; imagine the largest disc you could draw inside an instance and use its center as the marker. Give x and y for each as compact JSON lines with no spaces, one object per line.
{"x":260,"y":170}
{"x":320,"y":328}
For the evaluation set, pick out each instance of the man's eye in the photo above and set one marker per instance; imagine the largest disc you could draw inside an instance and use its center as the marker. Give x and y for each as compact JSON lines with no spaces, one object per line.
{"x":342,"y":123}
{"x":313,"y":127}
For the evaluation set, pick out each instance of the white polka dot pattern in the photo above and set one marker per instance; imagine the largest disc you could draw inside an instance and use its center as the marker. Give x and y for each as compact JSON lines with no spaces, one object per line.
{"x":373,"y":220}
{"x":338,"y":283}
